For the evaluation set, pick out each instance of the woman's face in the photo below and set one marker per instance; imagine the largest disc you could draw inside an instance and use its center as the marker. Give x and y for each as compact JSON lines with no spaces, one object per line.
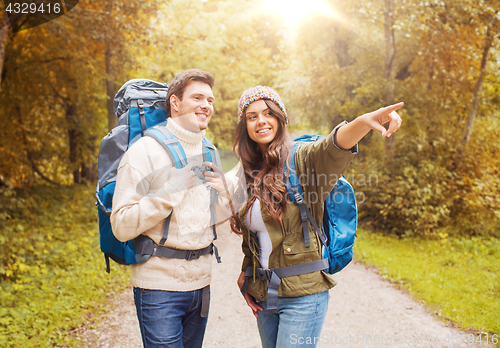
{"x":262,"y":125}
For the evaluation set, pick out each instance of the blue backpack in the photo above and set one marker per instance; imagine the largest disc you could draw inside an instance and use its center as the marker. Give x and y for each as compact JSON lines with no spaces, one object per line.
{"x":340,"y":217}
{"x":140,"y":108}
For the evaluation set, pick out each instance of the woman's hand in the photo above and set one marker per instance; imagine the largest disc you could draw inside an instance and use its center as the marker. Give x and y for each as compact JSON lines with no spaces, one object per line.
{"x":376,"y":119}
{"x":214,"y":178}
{"x":350,"y":134}
{"x":251,"y":302}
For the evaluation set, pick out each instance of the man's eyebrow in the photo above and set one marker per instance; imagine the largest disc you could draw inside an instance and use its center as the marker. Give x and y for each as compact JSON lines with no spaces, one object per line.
{"x":202,"y":94}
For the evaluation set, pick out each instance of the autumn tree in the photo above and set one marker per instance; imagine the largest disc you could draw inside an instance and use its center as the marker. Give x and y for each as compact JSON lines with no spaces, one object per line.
{"x":429,"y":54}
{"x":67,"y":91}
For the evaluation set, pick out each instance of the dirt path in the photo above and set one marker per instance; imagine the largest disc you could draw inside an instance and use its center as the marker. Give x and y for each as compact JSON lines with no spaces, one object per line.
{"x":364,"y":311}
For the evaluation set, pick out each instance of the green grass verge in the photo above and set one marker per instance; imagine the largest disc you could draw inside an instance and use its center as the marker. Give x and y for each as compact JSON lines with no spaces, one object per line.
{"x":458,"y":279}
{"x":52,"y":273}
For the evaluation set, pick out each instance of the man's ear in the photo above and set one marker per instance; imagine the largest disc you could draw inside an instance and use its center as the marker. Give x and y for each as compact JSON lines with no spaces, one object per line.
{"x":174,"y":102}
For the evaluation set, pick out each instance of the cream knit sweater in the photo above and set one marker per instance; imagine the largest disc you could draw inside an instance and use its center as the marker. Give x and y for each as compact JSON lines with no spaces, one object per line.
{"x":148,"y":189}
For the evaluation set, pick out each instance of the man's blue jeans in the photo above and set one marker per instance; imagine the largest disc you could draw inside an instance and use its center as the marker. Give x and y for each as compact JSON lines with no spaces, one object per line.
{"x":297,"y":323}
{"x":170,"y":318}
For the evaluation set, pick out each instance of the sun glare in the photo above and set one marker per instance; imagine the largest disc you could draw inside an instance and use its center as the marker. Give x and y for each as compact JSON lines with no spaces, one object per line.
{"x":293,"y":11}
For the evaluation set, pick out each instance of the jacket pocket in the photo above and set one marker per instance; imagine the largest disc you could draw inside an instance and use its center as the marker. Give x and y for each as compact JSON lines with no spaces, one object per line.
{"x":293,"y":244}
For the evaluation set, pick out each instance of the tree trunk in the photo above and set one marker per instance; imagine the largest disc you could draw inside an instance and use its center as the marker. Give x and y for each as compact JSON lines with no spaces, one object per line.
{"x":6,"y":24}
{"x":89,"y":173}
{"x":4,"y":33}
{"x":110,"y":90}
{"x":73,"y":138}
{"x":30,"y":156}
{"x":390,"y":54}
{"x":471,"y":117}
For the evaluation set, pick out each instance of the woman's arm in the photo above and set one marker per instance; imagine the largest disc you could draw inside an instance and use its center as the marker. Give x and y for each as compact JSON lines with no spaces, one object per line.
{"x":350,"y":134}
{"x":251,"y":302}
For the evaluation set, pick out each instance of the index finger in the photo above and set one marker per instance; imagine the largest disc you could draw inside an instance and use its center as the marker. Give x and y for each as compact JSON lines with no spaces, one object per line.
{"x":394,"y":107}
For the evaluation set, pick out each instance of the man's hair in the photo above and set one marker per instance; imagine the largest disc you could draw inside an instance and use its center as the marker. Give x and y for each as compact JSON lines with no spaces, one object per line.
{"x":181,"y":80}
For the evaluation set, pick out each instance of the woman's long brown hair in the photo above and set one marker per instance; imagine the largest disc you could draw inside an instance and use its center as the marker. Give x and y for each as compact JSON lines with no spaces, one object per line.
{"x":264,"y":171}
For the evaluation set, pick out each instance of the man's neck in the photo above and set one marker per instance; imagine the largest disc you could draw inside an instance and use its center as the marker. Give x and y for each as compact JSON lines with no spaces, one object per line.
{"x":185,"y":123}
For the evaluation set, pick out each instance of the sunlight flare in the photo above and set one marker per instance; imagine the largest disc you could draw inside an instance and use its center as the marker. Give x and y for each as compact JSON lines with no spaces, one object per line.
{"x":294,"y":11}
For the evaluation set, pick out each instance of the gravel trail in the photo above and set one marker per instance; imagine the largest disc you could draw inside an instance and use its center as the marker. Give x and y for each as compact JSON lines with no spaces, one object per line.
{"x":364,"y":311}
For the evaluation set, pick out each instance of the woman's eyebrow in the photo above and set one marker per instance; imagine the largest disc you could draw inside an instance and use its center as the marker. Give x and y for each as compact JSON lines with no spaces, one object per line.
{"x":256,"y":112}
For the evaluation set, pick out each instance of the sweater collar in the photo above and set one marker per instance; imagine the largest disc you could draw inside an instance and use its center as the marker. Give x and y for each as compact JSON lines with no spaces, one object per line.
{"x":183,"y":134}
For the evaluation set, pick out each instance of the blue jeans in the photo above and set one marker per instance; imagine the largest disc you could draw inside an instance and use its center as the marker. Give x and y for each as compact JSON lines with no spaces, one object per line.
{"x":170,"y":318}
{"x":297,"y":323}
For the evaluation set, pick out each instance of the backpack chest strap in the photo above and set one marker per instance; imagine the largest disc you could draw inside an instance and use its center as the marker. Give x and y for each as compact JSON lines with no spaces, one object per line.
{"x":145,"y":248}
{"x":273,"y":278}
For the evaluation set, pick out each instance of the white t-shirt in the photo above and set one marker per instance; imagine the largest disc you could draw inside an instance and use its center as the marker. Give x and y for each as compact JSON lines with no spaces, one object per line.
{"x":255,"y":224}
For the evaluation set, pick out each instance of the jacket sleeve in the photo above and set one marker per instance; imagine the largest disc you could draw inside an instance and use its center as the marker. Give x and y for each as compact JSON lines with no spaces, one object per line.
{"x":247,"y":260}
{"x":143,"y":196}
{"x":320,"y":164}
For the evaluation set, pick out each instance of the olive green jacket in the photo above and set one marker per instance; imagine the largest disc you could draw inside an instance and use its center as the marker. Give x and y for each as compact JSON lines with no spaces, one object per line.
{"x":319,"y":164}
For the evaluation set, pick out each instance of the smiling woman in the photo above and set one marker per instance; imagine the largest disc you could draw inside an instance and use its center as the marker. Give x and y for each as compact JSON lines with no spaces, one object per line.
{"x":293,"y":11}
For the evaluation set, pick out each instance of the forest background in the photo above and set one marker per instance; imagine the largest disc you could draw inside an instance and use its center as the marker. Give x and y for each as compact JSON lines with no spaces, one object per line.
{"x":436,"y":179}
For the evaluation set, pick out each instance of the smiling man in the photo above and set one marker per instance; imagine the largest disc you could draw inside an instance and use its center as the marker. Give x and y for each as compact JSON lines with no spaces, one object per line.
{"x":190,"y":101}
{"x":171,"y":294}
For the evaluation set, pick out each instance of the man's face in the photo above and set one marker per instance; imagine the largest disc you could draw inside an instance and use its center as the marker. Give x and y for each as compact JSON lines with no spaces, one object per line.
{"x":195,"y":109}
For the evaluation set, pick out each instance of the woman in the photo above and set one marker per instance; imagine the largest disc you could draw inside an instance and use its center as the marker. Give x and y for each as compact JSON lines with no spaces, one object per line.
{"x":271,"y":224}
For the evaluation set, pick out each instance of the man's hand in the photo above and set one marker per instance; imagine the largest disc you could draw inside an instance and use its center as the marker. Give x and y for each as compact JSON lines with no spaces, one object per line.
{"x":251,"y":302}
{"x":180,"y":179}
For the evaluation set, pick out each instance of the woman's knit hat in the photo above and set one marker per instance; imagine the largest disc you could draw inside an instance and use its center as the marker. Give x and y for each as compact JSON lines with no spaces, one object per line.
{"x":259,"y":93}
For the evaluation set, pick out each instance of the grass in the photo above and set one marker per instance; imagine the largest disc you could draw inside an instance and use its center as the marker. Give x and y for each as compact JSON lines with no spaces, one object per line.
{"x":52,"y":273}
{"x":458,"y":279}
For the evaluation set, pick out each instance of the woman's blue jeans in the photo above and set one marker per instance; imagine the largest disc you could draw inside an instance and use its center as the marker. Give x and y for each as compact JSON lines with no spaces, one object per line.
{"x":297,"y":323}
{"x":170,"y":318}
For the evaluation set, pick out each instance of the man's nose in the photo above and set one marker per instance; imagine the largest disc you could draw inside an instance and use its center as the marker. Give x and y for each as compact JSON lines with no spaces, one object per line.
{"x":205,"y":103}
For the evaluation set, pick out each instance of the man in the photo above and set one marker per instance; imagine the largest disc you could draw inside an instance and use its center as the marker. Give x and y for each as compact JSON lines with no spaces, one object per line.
{"x":168,"y":292}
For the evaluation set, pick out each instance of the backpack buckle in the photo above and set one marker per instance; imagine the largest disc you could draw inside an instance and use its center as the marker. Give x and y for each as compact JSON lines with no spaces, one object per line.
{"x":264,"y":274}
{"x":193,"y":254}
{"x":298,"y":198}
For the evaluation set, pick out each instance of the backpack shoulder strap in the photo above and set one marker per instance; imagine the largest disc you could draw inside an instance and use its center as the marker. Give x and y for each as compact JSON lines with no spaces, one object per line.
{"x":296,"y":195}
{"x":293,"y":180}
{"x":210,"y":153}
{"x":163,"y":136}
{"x":173,"y":147}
